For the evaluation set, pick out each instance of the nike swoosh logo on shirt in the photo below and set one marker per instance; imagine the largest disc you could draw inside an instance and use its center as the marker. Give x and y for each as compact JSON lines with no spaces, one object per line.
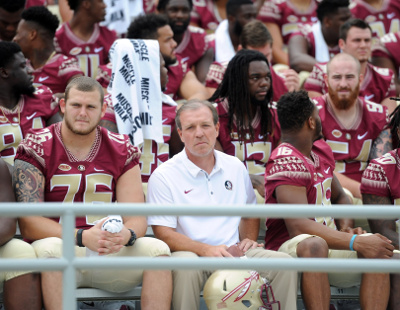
{"x":30,"y":116}
{"x":369,"y":97}
{"x":98,"y":49}
{"x":362,"y":136}
{"x":188,"y":191}
{"x":41,"y":79}
{"x":327,"y":170}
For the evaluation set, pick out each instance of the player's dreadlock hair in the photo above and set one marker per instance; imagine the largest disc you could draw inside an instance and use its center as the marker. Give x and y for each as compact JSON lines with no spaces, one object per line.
{"x":146,"y":26}
{"x":394,"y":124}
{"x":162,"y":4}
{"x":12,"y":5}
{"x":330,"y":7}
{"x":235,"y":89}
{"x":294,"y":108}
{"x":43,"y":18}
{"x":7,"y":51}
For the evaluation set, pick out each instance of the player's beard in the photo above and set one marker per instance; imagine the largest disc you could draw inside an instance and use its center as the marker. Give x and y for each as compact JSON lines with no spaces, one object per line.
{"x":168,"y":60}
{"x":346,"y":103}
{"x":259,"y":103}
{"x":27,"y":89}
{"x":179,"y":29}
{"x":77,"y":131}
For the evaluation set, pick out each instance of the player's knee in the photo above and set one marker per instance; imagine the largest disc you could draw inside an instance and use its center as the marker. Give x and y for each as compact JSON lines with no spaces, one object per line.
{"x":48,"y":247}
{"x":313,"y":247}
{"x":16,"y":248}
{"x":152,"y":247}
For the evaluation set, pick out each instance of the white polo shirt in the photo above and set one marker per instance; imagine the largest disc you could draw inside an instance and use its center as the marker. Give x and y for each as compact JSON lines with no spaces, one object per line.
{"x":180,"y":181}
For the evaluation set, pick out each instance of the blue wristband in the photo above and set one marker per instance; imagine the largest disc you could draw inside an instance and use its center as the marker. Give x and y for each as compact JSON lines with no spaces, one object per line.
{"x":352,"y":242}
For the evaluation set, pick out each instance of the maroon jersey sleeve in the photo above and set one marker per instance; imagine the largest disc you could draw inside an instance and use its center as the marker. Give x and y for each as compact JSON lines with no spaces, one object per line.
{"x":287,"y":16}
{"x":388,"y":48}
{"x":104,"y":74}
{"x":315,"y":81}
{"x":374,"y":180}
{"x":215,"y":74}
{"x":193,"y":45}
{"x":203,"y":15}
{"x":110,"y":113}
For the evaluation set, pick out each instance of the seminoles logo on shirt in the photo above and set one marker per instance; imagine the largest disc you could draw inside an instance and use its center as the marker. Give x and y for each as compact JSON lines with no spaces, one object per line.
{"x":228,"y":185}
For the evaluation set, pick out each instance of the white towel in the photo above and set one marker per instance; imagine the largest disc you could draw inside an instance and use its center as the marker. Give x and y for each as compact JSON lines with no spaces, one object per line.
{"x":135,"y":89}
{"x":321,"y":48}
{"x":224,"y":50}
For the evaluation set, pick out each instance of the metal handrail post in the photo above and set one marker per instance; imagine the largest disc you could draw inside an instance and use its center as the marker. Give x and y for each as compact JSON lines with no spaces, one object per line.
{"x":69,"y":276}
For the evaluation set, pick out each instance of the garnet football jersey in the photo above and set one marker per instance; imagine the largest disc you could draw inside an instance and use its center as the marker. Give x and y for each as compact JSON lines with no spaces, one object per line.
{"x":205,"y":14}
{"x":254,"y":154}
{"x":377,"y":85}
{"x":56,"y":73}
{"x":30,"y":3}
{"x":305,"y":31}
{"x":31,"y":112}
{"x":176,"y":73}
{"x":382,"y":21}
{"x":287,"y":16}
{"x":104,"y":74}
{"x":381,"y":178}
{"x":68,"y":179}
{"x":351,"y":147}
{"x":287,"y":166}
{"x":90,"y":54}
{"x":153,"y":153}
{"x":217,"y":70}
{"x":388,"y":47}
{"x":193,"y":45}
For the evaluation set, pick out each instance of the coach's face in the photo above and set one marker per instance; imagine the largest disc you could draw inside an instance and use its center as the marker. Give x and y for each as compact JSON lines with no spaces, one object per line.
{"x":198,"y":132}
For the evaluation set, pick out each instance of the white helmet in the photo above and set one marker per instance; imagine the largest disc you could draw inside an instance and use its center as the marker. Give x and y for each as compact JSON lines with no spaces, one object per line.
{"x":239,"y":290}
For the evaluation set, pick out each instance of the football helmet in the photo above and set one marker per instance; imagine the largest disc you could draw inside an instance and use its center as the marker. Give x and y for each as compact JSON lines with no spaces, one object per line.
{"x":239,"y":290}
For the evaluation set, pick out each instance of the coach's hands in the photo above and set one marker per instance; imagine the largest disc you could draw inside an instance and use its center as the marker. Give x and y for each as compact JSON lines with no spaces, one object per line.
{"x":373,"y":246}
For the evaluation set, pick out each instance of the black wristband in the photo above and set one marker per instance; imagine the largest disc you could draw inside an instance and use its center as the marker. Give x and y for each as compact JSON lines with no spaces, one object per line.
{"x":79,"y":238}
{"x":132,"y":240}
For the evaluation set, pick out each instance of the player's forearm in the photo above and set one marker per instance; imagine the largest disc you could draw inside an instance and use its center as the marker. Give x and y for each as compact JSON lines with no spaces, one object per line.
{"x":386,"y":228}
{"x":38,"y":227}
{"x":179,"y":242}
{"x":249,"y":228}
{"x":350,"y":184}
{"x":137,"y":223}
{"x":336,"y":240}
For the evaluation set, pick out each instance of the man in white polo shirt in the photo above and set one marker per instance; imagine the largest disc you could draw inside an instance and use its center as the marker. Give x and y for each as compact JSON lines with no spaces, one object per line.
{"x":200,"y":175}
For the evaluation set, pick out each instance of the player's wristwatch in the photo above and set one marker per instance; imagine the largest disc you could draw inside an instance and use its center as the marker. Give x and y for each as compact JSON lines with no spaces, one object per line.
{"x":133,"y":238}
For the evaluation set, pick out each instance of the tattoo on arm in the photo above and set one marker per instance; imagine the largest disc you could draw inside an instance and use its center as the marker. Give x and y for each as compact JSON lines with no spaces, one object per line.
{"x":382,"y":145}
{"x":110,"y":126}
{"x":28,"y":182}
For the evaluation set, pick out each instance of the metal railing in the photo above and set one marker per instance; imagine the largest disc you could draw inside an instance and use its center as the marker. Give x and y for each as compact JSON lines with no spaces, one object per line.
{"x":68,"y":263}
